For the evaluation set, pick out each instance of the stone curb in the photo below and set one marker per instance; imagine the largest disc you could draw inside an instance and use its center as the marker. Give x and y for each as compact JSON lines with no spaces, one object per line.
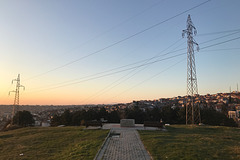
{"x":101,"y":148}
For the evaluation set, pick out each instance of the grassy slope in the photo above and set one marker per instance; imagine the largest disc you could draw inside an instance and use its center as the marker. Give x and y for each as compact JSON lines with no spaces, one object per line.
{"x":51,"y":143}
{"x":198,"y":142}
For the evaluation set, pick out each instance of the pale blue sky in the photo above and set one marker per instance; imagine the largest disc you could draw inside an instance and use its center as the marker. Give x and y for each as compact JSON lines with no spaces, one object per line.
{"x":37,"y":37}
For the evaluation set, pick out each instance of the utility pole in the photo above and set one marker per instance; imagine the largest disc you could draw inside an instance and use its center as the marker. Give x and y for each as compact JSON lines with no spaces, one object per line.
{"x":192,"y":110}
{"x":16,"y":99}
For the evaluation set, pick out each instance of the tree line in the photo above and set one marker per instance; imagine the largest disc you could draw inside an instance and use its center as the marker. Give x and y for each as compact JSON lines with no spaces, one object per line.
{"x":168,"y":114}
{"x":80,"y":117}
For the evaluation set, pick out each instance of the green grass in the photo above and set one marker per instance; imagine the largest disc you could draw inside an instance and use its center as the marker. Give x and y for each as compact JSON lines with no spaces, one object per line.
{"x":193,"y":142}
{"x":51,"y":143}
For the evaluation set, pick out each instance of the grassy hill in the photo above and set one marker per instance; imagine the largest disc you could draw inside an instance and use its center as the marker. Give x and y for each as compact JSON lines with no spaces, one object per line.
{"x":193,"y":142}
{"x":179,"y":142}
{"x":51,"y":143}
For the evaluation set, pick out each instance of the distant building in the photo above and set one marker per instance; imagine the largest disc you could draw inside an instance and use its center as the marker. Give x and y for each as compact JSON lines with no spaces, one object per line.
{"x":46,"y":124}
{"x":232,"y":114}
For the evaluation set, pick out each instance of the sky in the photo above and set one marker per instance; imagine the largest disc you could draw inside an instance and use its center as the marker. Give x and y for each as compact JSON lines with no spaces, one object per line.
{"x":72,"y":52}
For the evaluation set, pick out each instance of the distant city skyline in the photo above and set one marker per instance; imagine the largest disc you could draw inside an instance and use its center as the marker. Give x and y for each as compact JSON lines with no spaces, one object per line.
{"x":103,"y":52}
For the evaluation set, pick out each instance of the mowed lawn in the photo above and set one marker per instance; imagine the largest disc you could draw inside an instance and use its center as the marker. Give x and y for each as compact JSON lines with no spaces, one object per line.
{"x":61,"y":143}
{"x":193,"y":142}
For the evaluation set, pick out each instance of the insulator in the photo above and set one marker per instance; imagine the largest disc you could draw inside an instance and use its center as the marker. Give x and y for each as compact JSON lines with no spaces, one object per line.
{"x":198,"y":48}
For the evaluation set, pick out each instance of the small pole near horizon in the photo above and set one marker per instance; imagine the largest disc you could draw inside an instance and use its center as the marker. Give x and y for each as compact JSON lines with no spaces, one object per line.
{"x":16,"y":98}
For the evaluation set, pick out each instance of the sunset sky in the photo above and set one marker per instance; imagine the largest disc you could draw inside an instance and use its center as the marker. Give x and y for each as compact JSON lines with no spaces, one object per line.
{"x":111,"y":51}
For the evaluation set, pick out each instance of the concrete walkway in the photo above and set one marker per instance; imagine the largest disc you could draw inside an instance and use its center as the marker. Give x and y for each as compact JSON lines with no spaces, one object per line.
{"x":123,"y":144}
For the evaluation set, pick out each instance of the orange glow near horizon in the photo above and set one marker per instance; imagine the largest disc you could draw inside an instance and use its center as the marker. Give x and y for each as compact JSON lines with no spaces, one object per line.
{"x":63,"y":100}
{"x":69,"y":97}
{"x":86,"y":56}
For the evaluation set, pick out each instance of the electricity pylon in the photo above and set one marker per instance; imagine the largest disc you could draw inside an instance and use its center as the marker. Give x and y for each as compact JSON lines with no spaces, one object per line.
{"x":16,"y":99}
{"x":192,"y":109}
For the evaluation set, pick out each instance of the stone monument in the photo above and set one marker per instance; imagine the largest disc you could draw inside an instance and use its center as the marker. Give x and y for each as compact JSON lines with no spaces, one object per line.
{"x":127,"y":123}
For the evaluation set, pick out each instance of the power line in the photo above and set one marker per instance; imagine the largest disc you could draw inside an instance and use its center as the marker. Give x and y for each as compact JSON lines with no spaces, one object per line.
{"x":145,"y":60}
{"x":150,"y":78}
{"x":175,"y":65}
{"x":116,"y":72}
{"x":157,"y":74}
{"x":117,"y":68}
{"x":165,"y":71}
{"x":160,"y":73}
{"x":219,"y":32}
{"x":141,"y":61}
{"x":131,"y":68}
{"x":216,"y":44}
{"x":221,"y":37}
{"x":122,"y":79}
{"x":222,"y":49}
{"x":114,"y":27}
{"x":120,"y":41}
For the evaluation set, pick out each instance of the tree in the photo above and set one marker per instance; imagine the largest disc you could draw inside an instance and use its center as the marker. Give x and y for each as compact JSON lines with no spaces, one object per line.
{"x":66,"y":118}
{"x":212,"y":117}
{"x":154,"y":114}
{"x":91,"y":114}
{"x":103,"y":114}
{"x":56,"y":120}
{"x":181,"y":114}
{"x":168,"y":115}
{"x":135,"y":113}
{"x":114,"y":117}
{"x":23,"y":118}
{"x":77,"y":117}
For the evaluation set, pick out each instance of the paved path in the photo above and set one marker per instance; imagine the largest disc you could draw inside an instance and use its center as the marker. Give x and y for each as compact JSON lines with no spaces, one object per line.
{"x":123,"y":144}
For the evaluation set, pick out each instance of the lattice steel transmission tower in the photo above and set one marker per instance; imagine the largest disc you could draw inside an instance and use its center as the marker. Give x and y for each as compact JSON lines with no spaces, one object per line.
{"x":16,"y":99}
{"x":192,"y":109}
